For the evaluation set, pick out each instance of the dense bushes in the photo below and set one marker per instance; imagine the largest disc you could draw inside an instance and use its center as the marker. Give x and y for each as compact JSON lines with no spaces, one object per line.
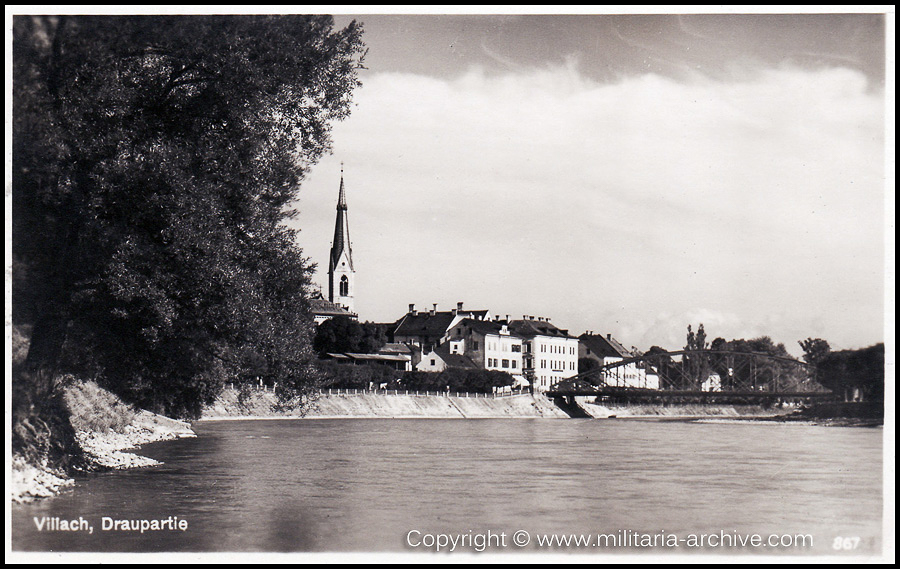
{"x":471,"y":380}
{"x":349,"y":376}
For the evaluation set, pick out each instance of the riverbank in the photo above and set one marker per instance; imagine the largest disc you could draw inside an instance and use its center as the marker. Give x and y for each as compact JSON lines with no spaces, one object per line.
{"x":105,"y":429}
{"x":637,"y":411}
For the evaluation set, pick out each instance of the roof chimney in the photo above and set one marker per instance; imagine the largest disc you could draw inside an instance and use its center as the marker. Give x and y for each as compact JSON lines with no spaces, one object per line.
{"x":459,"y":305}
{"x":507,"y":317}
{"x":434,"y":309}
{"x":609,"y":336}
{"x":412,"y":309}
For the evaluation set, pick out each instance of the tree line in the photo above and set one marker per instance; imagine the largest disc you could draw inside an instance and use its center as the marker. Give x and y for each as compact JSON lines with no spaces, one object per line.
{"x":766,"y":365}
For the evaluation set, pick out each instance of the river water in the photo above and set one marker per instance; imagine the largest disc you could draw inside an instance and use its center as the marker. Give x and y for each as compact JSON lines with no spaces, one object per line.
{"x":389,"y":485}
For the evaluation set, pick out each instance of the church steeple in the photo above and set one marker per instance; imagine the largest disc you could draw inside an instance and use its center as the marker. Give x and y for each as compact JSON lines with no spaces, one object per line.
{"x":340,"y":262}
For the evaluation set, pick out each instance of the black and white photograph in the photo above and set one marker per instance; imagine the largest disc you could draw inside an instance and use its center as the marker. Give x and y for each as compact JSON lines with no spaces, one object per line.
{"x":450,"y":284}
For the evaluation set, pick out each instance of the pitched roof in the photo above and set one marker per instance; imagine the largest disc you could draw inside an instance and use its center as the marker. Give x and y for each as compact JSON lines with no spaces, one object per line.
{"x":483,"y":327}
{"x":378,"y":357}
{"x":424,"y":324}
{"x":604,"y":346}
{"x":321,"y":307}
{"x":531,"y":328}
{"x":393,"y":348}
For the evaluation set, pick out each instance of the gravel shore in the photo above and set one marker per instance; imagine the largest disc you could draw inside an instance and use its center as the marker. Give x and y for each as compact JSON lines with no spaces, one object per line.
{"x":104,"y":450}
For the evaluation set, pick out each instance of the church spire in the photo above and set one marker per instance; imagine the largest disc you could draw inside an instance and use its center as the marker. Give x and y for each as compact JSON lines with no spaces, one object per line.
{"x":340,"y":262}
{"x":341,"y":240}
{"x":342,"y":199}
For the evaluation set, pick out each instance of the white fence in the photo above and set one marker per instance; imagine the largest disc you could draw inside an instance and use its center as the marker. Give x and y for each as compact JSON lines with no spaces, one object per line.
{"x":439,"y":393}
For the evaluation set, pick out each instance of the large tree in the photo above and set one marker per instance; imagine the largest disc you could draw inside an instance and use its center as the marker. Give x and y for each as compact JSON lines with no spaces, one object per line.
{"x":814,"y":349}
{"x":154,"y":163}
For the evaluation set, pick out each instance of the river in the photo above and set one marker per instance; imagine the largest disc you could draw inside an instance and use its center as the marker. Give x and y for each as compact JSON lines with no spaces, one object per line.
{"x":394,"y":485}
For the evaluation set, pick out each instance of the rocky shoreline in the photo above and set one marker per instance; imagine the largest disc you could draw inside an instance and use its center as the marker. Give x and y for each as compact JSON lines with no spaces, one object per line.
{"x":103,"y":450}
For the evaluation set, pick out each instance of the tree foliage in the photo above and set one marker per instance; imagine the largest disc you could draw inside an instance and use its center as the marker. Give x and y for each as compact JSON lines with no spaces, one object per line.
{"x":755,"y":371}
{"x":342,"y":334}
{"x":695,"y":365}
{"x":814,"y":349}
{"x":154,"y":163}
{"x":848,"y":370}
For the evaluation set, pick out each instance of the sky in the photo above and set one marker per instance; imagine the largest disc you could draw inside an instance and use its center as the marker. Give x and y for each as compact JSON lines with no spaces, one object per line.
{"x":623,"y":174}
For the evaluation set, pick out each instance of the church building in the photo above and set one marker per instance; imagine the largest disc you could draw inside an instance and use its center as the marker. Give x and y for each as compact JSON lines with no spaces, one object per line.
{"x":340,"y":262}
{"x":341,"y":275}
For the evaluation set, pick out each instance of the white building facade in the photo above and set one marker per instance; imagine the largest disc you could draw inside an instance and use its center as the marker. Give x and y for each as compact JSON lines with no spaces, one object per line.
{"x":550,"y":353}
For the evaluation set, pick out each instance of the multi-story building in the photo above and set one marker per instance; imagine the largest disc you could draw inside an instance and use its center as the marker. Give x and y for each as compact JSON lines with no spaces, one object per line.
{"x":490,"y":344}
{"x":606,"y":350}
{"x":427,"y":329}
{"x":550,"y":353}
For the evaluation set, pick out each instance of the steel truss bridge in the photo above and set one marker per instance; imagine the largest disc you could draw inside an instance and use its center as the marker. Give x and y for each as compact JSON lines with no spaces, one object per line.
{"x":697,"y":376}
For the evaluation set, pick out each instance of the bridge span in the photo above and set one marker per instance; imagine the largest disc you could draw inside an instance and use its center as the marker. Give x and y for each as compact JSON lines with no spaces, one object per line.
{"x":714,"y":377}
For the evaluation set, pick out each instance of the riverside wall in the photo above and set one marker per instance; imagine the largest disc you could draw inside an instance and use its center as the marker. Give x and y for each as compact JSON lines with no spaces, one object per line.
{"x":368,"y":404}
{"x":363,"y":404}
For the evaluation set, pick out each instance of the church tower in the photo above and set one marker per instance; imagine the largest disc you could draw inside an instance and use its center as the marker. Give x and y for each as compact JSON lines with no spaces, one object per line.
{"x":340,"y":263}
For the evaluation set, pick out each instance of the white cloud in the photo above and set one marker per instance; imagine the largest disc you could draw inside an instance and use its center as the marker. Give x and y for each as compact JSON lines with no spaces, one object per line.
{"x":605,"y":205}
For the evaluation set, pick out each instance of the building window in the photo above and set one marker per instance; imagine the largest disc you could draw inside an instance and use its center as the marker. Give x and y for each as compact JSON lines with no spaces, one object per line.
{"x":432,"y":362}
{"x":345,"y":286}
{"x":505,"y":363}
{"x":474,"y":345}
{"x":514,"y":364}
{"x":517,"y":348}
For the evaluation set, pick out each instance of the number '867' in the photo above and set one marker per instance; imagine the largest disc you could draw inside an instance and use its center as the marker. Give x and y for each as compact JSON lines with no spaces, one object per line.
{"x":845,"y":543}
